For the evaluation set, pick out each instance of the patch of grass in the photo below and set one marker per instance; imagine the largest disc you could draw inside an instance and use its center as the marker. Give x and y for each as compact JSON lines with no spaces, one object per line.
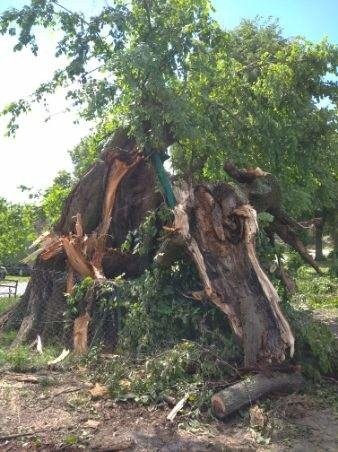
{"x":317,"y":291}
{"x":316,"y":347}
{"x":23,"y":358}
{"x":18,"y":278}
{"x":325,"y":394}
{"x":6,"y":338}
{"x":71,"y":440}
{"x":6,"y":303}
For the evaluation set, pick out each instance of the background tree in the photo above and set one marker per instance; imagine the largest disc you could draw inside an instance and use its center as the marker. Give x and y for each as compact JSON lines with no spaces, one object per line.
{"x":18,"y":229}
{"x":54,"y":197}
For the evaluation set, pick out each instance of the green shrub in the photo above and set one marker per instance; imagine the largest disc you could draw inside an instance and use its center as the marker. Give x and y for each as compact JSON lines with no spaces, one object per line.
{"x":316,"y":347}
{"x":185,"y":368}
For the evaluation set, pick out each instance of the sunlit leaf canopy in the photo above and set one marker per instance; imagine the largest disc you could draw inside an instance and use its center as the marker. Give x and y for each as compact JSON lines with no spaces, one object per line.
{"x":17,"y":231}
{"x":170,"y":74}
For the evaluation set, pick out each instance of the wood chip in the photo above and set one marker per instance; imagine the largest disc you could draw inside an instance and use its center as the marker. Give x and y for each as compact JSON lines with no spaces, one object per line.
{"x":171,"y":416}
{"x":91,"y":423}
{"x":38,"y":344}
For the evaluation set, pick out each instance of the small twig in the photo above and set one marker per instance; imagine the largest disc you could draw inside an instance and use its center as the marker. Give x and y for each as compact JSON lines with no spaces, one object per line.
{"x":60,"y":358}
{"x":67,"y":391}
{"x":331,"y":380}
{"x":18,"y":435}
{"x":25,"y":378}
{"x":64,"y":391}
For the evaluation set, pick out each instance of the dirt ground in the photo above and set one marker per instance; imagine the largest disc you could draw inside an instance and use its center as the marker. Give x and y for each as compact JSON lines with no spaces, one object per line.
{"x":56,"y":411}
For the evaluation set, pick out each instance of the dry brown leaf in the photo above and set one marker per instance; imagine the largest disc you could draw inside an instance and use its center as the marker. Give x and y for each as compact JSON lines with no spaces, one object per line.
{"x":98,"y":391}
{"x":257,"y":417}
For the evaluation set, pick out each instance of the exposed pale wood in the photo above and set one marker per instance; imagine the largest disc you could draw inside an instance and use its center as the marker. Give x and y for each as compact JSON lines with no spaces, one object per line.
{"x":76,"y":259}
{"x":80,"y":334}
{"x":177,"y":408}
{"x":246,"y":392}
{"x":59,"y":358}
{"x":118,"y":169}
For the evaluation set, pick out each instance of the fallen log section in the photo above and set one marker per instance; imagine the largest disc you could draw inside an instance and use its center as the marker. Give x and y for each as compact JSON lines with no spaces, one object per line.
{"x":233,"y":398}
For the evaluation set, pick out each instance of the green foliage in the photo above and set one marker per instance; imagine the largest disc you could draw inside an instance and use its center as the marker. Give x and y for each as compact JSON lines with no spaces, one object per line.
{"x":167,"y":71}
{"x":54,"y":197}
{"x":294,"y":261}
{"x":316,"y":347}
{"x":264,"y":219}
{"x":319,"y":349}
{"x":143,"y":240}
{"x":71,"y":440}
{"x":140,"y":52}
{"x":7,"y":337}
{"x":317,"y":291}
{"x":89,"y":148}
{"x":186,"y":368}
{"x":168,"y":343}
{"x":79,"y":292}
{"x":259,"y":107}
{"x":158,"y":314}
{"x":18,"y":229}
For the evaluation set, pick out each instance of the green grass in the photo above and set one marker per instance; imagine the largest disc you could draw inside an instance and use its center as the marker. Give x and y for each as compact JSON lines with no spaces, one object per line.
{"x":23,"y":358}
{"x":6,"y":303}
{"x":317,"y":291}
{"x":18,"y":278}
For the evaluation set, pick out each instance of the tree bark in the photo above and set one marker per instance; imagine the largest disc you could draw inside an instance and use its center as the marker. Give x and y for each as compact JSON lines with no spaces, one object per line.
{"x":247,"y":391}
{"x":219,"y":228}
{"x":319,"y":229}
{"x":263,"y":192}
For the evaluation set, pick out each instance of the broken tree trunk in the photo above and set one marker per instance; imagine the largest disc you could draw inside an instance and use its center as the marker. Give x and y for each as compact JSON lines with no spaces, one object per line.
{"x":219,"y":227}
{"x":111,"y":199}
{"x":215,"y":223}
{"x":263,"y":192}
{"x":245,"y":392}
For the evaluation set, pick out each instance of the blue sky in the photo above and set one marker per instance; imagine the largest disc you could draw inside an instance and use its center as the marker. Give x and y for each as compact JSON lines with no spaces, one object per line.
{"x":44,"y":146}
{"x":313,"y":19}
